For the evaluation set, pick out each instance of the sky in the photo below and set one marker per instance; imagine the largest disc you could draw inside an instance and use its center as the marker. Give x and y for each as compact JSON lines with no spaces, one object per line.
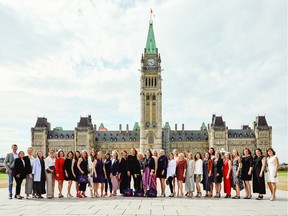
{"x":63,"y":59}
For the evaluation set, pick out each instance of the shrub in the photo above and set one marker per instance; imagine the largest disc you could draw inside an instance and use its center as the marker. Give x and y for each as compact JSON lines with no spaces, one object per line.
{"x":2,"y":170}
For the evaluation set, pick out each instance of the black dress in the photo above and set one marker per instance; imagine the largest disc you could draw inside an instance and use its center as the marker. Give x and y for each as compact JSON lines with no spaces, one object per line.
{"x":124,"y":177}
{"x":68,"y":169}
{"x":258,"y":182}
{"x":162,"y":165}
{"x":217,"y":168}
{"x":84,"y":168}
{"x":247,"y":162}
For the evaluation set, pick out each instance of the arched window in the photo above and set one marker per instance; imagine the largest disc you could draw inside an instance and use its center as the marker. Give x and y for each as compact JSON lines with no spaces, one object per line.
{"x":146,"y":82}
{"x":151,"y":139}
{"x":155,"y":82}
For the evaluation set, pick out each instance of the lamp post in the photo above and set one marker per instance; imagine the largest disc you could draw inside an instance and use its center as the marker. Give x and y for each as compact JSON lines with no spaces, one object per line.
{"x":222,"y":151}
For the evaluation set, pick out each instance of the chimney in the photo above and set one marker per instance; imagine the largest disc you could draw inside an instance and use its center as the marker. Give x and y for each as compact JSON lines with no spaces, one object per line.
{"x":95,"y":128}
{"x":175,"y":127}
{"x":127,"y":128}
{"x":182,"y":127}
{"x":120,"y":128}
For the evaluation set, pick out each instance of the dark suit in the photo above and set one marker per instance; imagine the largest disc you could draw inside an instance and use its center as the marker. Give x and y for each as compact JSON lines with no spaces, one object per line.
{"x":28,"y":165}
{"x":19,"y":173}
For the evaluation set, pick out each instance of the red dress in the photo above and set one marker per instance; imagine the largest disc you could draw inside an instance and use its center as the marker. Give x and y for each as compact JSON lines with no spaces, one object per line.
{"x":227,"y":182}
{"x":59,"y":169}
{"x":180,"y":167}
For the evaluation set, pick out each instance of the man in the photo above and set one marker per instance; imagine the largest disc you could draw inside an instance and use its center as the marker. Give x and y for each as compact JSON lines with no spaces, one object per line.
{"x":9,"y":165}
{"x":28,"y":166}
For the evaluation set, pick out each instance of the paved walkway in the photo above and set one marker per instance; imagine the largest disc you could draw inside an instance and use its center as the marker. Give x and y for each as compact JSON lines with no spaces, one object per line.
{"x":143,"y":206}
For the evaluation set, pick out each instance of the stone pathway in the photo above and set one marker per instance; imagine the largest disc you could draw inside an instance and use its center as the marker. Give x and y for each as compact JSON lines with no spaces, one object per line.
{"x":143,"y":206}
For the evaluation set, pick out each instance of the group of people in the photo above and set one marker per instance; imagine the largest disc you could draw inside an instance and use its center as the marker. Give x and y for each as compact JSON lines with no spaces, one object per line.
{"x":105,"y":174}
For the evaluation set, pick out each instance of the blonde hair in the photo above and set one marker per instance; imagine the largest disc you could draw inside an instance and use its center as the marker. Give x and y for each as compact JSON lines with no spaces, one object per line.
{"x":181,"y":155}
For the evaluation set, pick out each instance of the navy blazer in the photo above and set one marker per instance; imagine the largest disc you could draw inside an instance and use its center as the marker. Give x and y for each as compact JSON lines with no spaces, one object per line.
{"x":115,"y":167}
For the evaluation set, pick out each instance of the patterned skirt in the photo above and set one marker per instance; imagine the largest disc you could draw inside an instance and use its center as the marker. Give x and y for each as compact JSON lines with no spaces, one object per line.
{"x":149,"y":181}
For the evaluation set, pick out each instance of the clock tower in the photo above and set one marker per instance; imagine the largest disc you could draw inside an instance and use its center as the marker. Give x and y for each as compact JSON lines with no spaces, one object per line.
{"x":150,"y":95}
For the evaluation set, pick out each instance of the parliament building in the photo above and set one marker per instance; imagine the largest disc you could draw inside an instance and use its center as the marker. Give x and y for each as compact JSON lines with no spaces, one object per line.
{"x":150,"y":132}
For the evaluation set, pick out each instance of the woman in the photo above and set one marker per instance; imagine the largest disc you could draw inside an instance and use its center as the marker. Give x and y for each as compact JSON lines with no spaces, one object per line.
{"x":59,"y":170}
{"x":108,"y":164}
{"x":227,"y":166}
{"x":198,"y":172}
{"x":189,"y":180}
{"x":258,"y":174}
{"x":247,"y":165}
{"x":114,"y":176}
{"x":162,"y":170}
{"x":175,"y":153}
{"x":171,"y":172}
{"x":217,"y":173}
{"x":91,"y":159}
{"x":39,"y":177}
{"x":99,"y":174}
{"x":237,"y":183}
{"x":68,"y":171}
{"x":133,"y":169}
{"x":82,"y":166}
{"x":75,"y":170}
{"x":50,"y":174}
{"x":123,"y":172}
{"x":272,"y":172}
{"x":19,"y":173}
{"x":212,"y":155}
{"x":29,"y":187}
{"x":181,"y":168}
{"x":207,"y":174}
{"x":148,"y":174}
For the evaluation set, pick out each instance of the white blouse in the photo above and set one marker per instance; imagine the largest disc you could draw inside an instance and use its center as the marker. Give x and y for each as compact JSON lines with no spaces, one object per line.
{"x":171,"y":168}
{"x":198,"y":167}
{"x":49,"y":162}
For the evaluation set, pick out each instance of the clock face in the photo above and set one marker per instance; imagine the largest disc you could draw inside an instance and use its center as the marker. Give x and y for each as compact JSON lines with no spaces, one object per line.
{"x":150,"y":62}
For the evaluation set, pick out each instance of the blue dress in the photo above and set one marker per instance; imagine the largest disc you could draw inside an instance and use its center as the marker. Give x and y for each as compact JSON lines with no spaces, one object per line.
{"x":100,"y":172}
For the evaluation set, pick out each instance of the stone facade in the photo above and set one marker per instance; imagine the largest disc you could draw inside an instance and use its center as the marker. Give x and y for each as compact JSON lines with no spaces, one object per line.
{"x":150,"y":133}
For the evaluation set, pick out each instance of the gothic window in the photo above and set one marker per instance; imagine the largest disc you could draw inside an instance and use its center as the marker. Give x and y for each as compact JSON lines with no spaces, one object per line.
{"x":147,"y":97}
{"x":151,"y":139}
{"x":154,"y":97}
{"x":146,"y":82}
{"x":155,"y":82}
{"x":149,"y":82}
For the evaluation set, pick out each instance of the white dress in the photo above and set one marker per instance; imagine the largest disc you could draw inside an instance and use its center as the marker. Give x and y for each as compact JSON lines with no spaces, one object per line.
{"x":189,"y":182}
{"x":271,"y":170}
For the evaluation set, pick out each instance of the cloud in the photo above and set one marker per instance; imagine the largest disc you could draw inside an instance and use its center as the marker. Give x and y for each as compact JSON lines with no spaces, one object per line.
{"x":63,"y":59}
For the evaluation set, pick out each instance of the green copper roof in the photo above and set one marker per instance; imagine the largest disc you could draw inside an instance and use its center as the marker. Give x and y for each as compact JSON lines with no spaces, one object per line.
{"x":101,"y":125}
{"x":136,"y":127}
{"x":203,"y":126}
{"x":151,"y":43}
{"x":58,"y":129}
{"x":167,"y":125}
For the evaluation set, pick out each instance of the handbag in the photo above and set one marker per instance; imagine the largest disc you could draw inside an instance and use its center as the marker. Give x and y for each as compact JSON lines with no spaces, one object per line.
{"x":51,"y":168}
{"x":151,"y":193}
{"x":82,"y":179}
{"x":128,"y":192}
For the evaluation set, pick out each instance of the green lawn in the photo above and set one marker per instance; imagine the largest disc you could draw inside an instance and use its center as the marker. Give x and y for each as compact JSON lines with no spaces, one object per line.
{"x":3,"y":176}
{"x":283,"y":173}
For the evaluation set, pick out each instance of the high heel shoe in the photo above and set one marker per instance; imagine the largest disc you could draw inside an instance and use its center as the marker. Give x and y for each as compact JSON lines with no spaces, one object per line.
{"x":227,"y":196}
{"x":200,"y":195}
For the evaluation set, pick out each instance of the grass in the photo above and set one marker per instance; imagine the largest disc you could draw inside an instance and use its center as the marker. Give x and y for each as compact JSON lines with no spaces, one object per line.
{"x":283,"y":173}
{"x":3,"y":176}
